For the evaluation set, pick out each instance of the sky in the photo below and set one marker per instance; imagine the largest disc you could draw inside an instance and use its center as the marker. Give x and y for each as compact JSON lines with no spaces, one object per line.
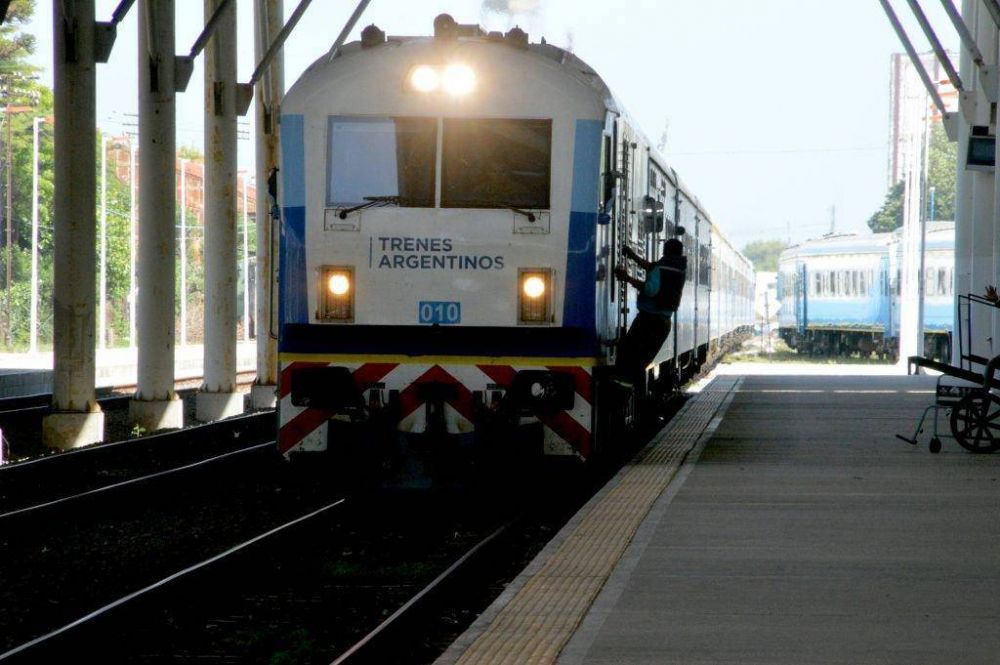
{"x":775,"y":111}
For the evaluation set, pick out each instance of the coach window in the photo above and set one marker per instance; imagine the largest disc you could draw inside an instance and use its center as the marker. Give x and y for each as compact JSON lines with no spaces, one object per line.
{"x":496,"y":164}
{"x":381,"y":161}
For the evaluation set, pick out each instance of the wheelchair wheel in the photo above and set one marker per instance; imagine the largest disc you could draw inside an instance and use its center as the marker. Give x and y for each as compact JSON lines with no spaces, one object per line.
{"x":975,"y":422}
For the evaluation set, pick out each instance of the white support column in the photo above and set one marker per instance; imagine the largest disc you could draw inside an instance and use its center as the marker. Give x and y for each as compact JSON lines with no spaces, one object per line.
{"x":268,"y":16}
{"x":218,"y":397}
{"x":982,"y":272}
{"x":963,"y":189}
{"x":155,"y":405}
{"x":76,"y":418}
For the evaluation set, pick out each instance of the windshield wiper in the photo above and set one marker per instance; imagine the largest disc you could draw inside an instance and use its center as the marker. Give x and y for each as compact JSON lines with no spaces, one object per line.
{"x":496,"y":204}
{"x":371,"y":201}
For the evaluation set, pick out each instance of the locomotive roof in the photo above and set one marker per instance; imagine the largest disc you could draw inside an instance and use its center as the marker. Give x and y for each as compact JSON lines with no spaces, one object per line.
{"x":569,"y":62}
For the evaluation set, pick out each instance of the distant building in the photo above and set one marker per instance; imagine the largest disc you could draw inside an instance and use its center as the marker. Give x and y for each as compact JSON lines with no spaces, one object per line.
{"x":908,"y":105}
{"x":194,"y":181}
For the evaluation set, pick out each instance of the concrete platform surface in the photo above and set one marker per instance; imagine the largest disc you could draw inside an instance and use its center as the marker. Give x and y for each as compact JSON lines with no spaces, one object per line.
{"x":802,"y":531}
{"x":31,"y":373}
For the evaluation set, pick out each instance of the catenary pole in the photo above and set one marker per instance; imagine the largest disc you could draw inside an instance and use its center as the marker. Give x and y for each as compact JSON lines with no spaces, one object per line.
{"x":102,"y":299}
{"x":246,"y":261}
{"x":34,"y":234}
{"x":131,"y":242}
{"x":183,"y":244}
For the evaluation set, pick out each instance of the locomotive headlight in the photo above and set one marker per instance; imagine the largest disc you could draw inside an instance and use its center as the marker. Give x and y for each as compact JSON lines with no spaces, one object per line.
{"x":425,"y":78}
{"x":458,"y":80}
{"x":339,"y":284}
{"x":534,"y":295}
{"x":335,"y":301}
{"x":534,"y":287}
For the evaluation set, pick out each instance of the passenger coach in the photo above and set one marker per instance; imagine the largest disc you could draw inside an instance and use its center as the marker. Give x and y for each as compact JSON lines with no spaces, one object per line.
{"x":453,"y":209}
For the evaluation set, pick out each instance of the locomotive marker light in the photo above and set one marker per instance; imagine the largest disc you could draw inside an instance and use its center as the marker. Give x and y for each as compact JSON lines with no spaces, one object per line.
{"x":534,"y":300}
{"x":336,"y":302}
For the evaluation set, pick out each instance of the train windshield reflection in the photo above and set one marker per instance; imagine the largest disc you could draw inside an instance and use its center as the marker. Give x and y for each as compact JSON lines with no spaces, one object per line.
{"x":390,"y":157}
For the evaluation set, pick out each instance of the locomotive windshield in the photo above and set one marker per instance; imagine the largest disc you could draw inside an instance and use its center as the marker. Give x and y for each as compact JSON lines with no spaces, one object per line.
{"x":386,"y":158}
{"x":496,"y":164}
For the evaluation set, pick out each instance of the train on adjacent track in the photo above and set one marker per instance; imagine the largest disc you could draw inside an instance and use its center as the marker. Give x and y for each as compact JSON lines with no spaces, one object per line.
{"x":453,"y":209}
{"x":840,"y":294}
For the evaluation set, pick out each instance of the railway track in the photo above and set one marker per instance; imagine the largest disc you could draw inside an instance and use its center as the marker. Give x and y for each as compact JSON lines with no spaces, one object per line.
{"x":200,"y":571}
{"x":21,"y":417}
{"x":85,"y":470}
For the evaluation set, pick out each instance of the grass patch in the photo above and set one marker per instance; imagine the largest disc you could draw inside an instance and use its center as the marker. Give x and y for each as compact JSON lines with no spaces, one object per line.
{"x":751,"y":352}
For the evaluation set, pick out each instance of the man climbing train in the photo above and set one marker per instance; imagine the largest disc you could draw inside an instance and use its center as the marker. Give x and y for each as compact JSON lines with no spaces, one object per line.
{"x":658,"y":299}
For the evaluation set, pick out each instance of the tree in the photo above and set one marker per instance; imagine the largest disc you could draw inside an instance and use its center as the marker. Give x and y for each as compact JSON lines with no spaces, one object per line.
{"x":890,"y":215}
{"x":21,"y":100}
{"x":941,"y":172}
{"x":764,"y":254}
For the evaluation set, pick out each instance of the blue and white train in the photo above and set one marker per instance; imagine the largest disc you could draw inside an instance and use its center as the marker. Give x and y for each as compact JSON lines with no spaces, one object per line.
{"x":453,"y":208}
{"x":840,"y":294}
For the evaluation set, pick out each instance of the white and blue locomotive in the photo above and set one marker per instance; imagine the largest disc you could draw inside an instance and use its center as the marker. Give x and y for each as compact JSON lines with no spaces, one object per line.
{"x":452,"y":209}
{"x":840,"y":294}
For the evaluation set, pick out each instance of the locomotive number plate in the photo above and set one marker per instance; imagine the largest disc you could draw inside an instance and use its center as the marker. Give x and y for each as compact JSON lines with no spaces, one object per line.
{"x":441,"y":313}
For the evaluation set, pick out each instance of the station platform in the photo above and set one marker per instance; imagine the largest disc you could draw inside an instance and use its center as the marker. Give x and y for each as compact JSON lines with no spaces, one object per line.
{"x":777,"y":519}
{"x":31,"y":373}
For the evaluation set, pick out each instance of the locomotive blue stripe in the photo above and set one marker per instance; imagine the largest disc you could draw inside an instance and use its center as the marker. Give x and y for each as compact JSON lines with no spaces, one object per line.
{"x":292,"y":267}
{"x":579,"y":307}
{"x":293,"y":171}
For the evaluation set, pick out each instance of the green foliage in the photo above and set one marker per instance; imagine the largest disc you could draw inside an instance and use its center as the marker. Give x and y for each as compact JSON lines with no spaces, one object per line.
{"x":190,"y":152}
{"x":764,"y":254}
{"x":942,"y":160}
{"x":15,"y":45}
{"x":941,"y":173}
{"x":890,"y":215}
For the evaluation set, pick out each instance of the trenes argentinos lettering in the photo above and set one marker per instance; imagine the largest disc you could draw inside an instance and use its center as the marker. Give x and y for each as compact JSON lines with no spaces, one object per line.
{"x":408,"y":253}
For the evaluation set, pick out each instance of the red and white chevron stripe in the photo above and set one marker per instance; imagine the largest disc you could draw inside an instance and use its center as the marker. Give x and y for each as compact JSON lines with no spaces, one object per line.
{"x":566,"y":432}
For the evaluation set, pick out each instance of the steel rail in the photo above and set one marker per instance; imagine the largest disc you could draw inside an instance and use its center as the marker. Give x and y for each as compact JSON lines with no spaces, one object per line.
{"x":360,"y":644}
{"x":12,"y":467}
{"x":165,"y":581}
{"x":133,"y":481}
